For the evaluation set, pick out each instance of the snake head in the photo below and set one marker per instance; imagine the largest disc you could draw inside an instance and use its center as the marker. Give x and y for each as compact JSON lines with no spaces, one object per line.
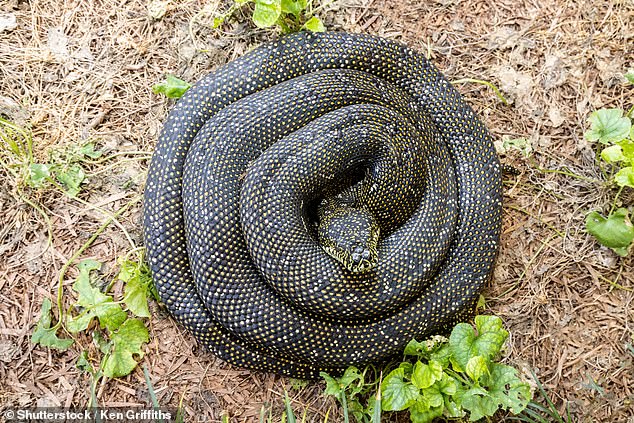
{"x":349,"y":235}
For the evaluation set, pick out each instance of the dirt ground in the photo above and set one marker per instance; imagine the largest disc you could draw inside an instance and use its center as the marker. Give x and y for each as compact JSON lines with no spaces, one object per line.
{"x":81,"y":71}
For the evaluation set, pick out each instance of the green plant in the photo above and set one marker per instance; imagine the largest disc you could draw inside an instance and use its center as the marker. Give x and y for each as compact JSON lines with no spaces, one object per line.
{"x":172,"y":87}
{"x":455,"y":377}
{"x":538,"y":413}
{"x":351,"y":389}
{"x":288,"y":15}
{"x":615,"y":132}
{"x":119,"y":335}
{"x":64,"y":168}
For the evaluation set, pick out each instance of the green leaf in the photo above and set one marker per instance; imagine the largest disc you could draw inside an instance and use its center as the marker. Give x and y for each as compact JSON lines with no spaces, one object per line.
{"x":266,"y":12}
{"x":95,"y":303}
{"x":465,"y":343}
{"x":88,"y":150}
{"x":398,"y":394}
{"x":615,"y":232}
{"x":613,"y":153}
{"x":629,"y":75}
{"x":415,"y":348}
{"x":172,"y":87}
{"x":138,"y":281}
{"x":294,"y":7}
{"x":218,"y":20}
{"x":83,"y":364}
{"x":453,"y":410}
{"x":522,"y":145}
{"x":126,"y":344}
{"x":477,"y":402}
{"x":427,"y":348}
{"x":315,"y":24}
{"x":433,"y":396}
{"x":71,"y":178}
{"x":332,"y":385}
{"x":336,"y":386}
{"x":422,"y":413}
{"x":625,"y":177}
{"x":506,"y":389}
{"x":350,"y":375}
{"x":442,"y":355}
{"x":38,"y":174}
{"x":408,"y":368}
{"x":477,"y":367}
{"x":447,"y":385}
{"x":44,"y":334}
{"x":100,"y":342}
{"x":425,"y":375}
{"x":627,"y":146}
{"x":288,"y":408}
{"x":608,"y":125}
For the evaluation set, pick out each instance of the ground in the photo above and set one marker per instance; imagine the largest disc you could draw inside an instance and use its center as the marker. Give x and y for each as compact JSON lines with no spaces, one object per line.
{"x":80,"y":71}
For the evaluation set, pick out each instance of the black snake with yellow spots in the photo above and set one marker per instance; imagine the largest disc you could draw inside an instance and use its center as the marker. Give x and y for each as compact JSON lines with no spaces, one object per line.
{"x":236,"y":191}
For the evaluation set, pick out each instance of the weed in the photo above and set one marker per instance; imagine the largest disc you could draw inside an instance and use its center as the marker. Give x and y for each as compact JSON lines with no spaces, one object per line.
{"x":537,"y":413}
{"x":613,"y":130}
{"x":455,"y":377}
{"x":119,"y":336}
{"x":172,"y":87}
{"x":288,"y":15}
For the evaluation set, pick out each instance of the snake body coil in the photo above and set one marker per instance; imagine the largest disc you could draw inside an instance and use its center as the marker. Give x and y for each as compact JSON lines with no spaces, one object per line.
{"x":249,"y":151}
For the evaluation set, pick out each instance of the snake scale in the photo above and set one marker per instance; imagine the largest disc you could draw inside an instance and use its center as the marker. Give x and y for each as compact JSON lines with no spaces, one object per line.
{"x":254,"y":148}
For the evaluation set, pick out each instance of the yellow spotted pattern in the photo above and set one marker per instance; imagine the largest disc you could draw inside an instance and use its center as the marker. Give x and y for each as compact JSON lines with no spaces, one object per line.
{"x":246,"y":154}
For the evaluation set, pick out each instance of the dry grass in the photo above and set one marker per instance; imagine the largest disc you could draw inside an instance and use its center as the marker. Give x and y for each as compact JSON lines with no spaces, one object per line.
{"x":80,"y":71}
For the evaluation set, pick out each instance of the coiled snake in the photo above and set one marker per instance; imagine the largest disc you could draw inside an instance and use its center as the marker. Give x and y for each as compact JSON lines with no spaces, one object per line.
{"x":238,"y":184}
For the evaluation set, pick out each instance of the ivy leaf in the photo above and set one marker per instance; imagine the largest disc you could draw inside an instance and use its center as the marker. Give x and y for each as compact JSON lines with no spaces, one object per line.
{"x":172,"y":87}
{"x":38,"y":174}
{"x":625,"y":177}
{"x":465,"y":343}
{"x":126,"y":344}
{"x":608,"y":125}
{"x":425,"y":375}
{"x":95,"y":303}
{"x":294,"y":7}
{"x":615,"y":232}
{"x":315,"y":24}
{"x":266,"y":12}
{"x":71,"y":178}
{"x":44,"y":334}
{"x":398,"y":394}
{"x":138,"y":282}
{"x":506,"y":389}
{"x":477,"y":367}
